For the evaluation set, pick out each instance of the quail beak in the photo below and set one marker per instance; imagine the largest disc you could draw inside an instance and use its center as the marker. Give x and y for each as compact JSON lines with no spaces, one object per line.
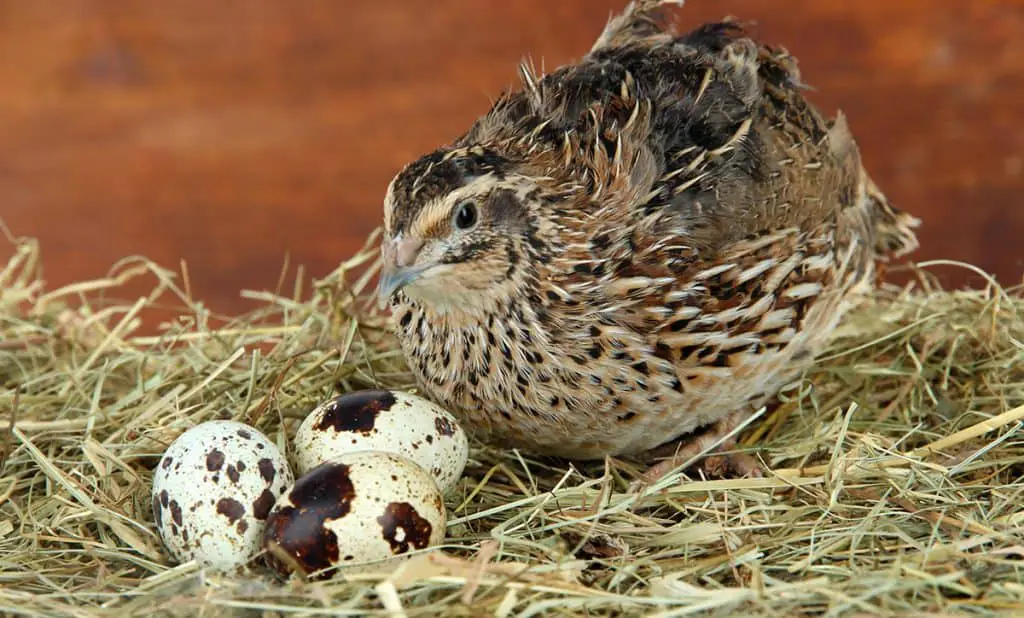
{"x":393,"y":279}
{"x":400,"y":267}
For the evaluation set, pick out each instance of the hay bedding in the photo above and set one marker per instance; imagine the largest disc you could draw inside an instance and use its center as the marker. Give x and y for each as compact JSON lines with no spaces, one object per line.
{"x":897,"y":484}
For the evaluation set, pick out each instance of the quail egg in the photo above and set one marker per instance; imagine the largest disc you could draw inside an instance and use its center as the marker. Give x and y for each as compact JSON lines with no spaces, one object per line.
{"x":383,"y":420}
{"x":212,"y":491}
{"x":352,"y":510}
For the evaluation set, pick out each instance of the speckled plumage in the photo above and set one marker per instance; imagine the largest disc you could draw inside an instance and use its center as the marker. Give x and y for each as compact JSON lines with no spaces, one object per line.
{"x":665,"y":232}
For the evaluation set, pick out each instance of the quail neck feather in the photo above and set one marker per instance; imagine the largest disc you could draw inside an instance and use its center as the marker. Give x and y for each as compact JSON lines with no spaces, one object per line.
{"x":634,"y":248}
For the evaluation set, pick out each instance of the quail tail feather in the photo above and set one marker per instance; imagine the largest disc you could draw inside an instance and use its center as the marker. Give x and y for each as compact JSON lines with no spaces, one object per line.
{"x":894,"y":228}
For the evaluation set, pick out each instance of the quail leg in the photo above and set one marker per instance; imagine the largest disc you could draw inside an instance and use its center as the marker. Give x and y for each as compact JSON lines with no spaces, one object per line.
{"x":717,"y":462}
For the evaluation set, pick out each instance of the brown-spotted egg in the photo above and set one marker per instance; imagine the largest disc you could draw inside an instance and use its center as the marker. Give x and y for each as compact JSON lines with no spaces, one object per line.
{"x":382,"y":420}
{"x":212,"y":491}
{"x":353,"y":510}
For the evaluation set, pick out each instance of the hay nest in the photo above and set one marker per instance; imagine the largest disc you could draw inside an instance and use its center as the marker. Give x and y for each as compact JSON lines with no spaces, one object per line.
{"x":895,"y":489}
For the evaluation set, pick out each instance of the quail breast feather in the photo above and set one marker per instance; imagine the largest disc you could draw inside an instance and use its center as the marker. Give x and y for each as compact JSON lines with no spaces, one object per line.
{"x":634,"y":246}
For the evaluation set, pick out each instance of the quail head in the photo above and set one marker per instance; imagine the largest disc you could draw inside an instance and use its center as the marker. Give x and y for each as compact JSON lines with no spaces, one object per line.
{"x":636,"y":249}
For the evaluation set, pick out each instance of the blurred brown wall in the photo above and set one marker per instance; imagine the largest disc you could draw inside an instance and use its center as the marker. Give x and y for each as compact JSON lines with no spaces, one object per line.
{"x":231,"y":133}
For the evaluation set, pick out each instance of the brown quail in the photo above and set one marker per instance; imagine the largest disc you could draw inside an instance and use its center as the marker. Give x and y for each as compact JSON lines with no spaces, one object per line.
{"x":636,"y":249}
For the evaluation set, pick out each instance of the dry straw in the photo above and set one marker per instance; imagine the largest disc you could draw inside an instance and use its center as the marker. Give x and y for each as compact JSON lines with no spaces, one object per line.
{"x":895,"y":486}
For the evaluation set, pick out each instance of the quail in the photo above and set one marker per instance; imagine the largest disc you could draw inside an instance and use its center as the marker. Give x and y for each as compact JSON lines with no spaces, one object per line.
{"x":635,"y":250}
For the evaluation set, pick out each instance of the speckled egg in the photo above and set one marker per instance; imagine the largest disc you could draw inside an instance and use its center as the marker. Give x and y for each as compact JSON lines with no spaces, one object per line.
{"x":353,"y":510}
{"x":392,"y":421}
{"x":212,"y":491}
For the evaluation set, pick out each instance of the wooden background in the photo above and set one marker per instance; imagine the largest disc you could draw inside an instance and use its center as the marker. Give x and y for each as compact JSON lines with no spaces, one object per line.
{"x":231,"y":133}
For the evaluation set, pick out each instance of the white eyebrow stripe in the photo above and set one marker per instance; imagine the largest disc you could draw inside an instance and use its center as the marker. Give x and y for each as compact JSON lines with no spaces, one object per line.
{"x":389,"y":205}
{"x":437,"y":211}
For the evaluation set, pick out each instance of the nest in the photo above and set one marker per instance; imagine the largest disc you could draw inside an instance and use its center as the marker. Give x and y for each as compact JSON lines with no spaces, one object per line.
{"x":894,"y":484}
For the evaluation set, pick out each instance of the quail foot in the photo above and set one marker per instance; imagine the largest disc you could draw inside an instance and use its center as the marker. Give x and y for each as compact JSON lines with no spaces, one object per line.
{"x":636,"y":249}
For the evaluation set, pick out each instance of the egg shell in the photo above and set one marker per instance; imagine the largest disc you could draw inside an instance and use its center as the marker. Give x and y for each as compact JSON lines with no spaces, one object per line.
{"x":393,"y":421}
{"x":212,"y":491}
{"x":356,"y":509}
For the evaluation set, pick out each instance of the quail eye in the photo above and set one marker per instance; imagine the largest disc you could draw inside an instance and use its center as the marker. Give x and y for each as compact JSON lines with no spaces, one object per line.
{"x":465,"y":215}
